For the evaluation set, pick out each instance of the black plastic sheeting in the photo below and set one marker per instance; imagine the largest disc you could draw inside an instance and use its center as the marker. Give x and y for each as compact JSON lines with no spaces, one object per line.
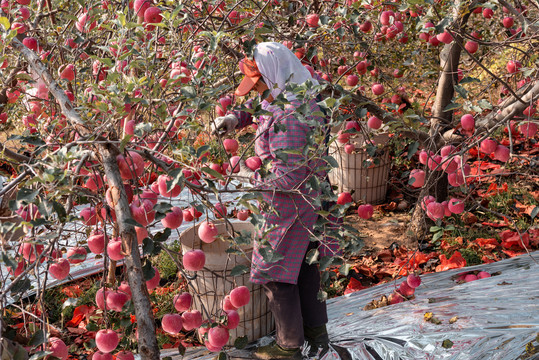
{"x":496,"y":318}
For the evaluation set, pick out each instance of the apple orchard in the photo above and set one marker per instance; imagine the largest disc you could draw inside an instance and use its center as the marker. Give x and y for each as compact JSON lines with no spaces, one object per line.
{"x":105,"y":113}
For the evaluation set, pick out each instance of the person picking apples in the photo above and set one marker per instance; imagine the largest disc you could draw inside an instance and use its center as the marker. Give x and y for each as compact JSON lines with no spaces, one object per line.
{"x":291,"y":284}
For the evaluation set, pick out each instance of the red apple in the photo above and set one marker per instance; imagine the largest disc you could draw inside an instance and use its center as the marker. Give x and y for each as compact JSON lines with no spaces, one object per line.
{"x":58,"y":348}
{"x":191,"y":320}
{"x":153,"y":282}
{"x":100,"y":355}
{"x":374,"y":123}
{"x":114,"y":249}
{"x":172,"y":323}
{"x":182,"y":302}
{"x":488,"y":146}
{"x":344,"y":198}
{"x":218,"y":336}
{"x":173,"y":219}
{"x":153,"y":15}
{"x":96,"y":243}
{"x":243,"y":214}
{"x":59,"y":269}
{"x":106,"y":340}
{"x":253,"y":162}
{"x":419,"y":178}
{"x":377,"y":89}
{"x":194,"y":260}
{"x":240,"y":296}
{"x":231,"y":145}
{"x":467,"y":122}
{"x":508,"y":22}
{"x":207,"y":232}
{"x":232,"y":319}
{"x":116,"y":300}
{"x":413,"y":281}
{"x":124,"y":355}
{"x":365,"y":211}
{"x":471,"y":46}
{"x":352,"y":80}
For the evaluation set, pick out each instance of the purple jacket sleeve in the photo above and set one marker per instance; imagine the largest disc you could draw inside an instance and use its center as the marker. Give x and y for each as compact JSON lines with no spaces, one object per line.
{"x":244,"y":118}
{"x":291,"y":173}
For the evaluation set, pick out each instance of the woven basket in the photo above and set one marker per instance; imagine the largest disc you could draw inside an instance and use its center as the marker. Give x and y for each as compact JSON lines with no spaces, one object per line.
{"x":359,"y":173}
{"x":214,"y":282}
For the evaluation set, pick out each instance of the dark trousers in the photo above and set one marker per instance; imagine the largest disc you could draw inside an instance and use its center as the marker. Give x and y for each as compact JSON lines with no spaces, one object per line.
{"x":294,"y":306}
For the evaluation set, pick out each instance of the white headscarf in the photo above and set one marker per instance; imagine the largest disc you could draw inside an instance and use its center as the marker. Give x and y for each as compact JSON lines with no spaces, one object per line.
{"x":278,"y":65}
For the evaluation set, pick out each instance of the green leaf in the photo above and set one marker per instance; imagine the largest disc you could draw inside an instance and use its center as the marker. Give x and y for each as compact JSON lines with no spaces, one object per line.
{"x":345,"y":269}
{"x":147,"y":270}
{"x":21,"y":286}
{"x":4,"y":21}
{"x":221,"y":356}
{"x":468,"y":80}
{"x":37,"y":339}
{"x":484,"y":104}
{"x":239,"y":270}
{"x":447,"y":344}
{"x":461,"y":91}
{"x":241,"y":342}
{"x":452,"y":106}
{"x":212,"y":172}
{"x":437,"y":236}
{"x":412,"y":149}
{"x":534,"y":212}
{"x":312,"y":256}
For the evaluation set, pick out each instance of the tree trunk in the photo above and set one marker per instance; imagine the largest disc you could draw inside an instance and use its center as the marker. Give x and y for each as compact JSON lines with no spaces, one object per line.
{"x":147,"y":341}
{"x":442,"y":120}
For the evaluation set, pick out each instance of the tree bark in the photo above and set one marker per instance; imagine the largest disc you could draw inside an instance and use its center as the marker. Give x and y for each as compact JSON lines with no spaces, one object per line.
{"x":147,"y":341}
{"x":441,"y":122}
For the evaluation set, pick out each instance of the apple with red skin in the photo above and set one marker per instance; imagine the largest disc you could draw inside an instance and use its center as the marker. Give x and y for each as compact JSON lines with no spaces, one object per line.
{"x":374,"y":123}
{"x":59,"y":269}
{"x":413,"y":281}
{"x":471,"y":46}
{"x":89,"y":216}
{"x":173,"y":219}
{"x":395,"y":298}
{"x":502,"y":153}
{"x":172,"y":323}
{"x":187,"y":215}
{"x":218,"y":336}
{"x":232,"y":319}
{"x":142,"y":233}
{"x":191,"y":320}
{"x":125,"y":288}
{"x":231,"y":145}
{"x":67,"y":72}
{"x":483,"y":275}
{"x":18,"y":270}
{"x":470,"y":277}
{"x":207,"y":231}
{"x":116,"y":300}
{"x":445,"y":37}
{"x":513,"y":66}
{"x":96,"y":243}
{"x":488,"y":146}
{"x":406,"y":290}
{"x":30,"y":251}
{"x":365,"y":211}
{"x":153,"y":15}
{"x":467,"y":122}
{"x":194,"y":260}
{"x":240,"y":296}
{"x":253,"y":163}
{"x":488,"y":13}
{"x":162,"y":183}
{"x":114,"y":249}
{"x":124,"y":355}
{"x":142,"y":211}
{"x":508,"y":22}
{"x":30,"y":42}
{"x":106,"y":340}
{"x":419,"y":178}
{"x":131,"y":165}
{"x":349,"y":148}
{"x":153,"y":282}
{"x":456,"y":206}
{"x":226,"y":304}
{"x":100,"y":355}
{"x":435,"y":210}
{"x":377,"y":89}
{"x":243,"y":214}
{"x":182,"y":302}
{"x":352,"y":80}
{"x":58,"y":348}
{"x":344,"y":198}
{"x":220,"y":211}
{"x":366,"y":26}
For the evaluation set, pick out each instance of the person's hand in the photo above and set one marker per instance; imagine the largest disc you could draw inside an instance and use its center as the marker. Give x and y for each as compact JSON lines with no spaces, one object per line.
{"x":245,"y":174}
{"x":224,"y":124}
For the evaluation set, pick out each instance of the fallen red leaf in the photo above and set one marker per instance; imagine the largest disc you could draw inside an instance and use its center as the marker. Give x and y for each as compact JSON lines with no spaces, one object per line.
{"x":512,"y":253}
{"x":454,"y":262}
{"x":487,"y":244}
{"x":512,"y":239}
{"x":353,"y":286}
{"x":79,"y":314}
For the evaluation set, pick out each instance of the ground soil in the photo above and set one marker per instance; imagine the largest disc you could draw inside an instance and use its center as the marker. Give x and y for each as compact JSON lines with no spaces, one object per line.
{"x":383,"y":230}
